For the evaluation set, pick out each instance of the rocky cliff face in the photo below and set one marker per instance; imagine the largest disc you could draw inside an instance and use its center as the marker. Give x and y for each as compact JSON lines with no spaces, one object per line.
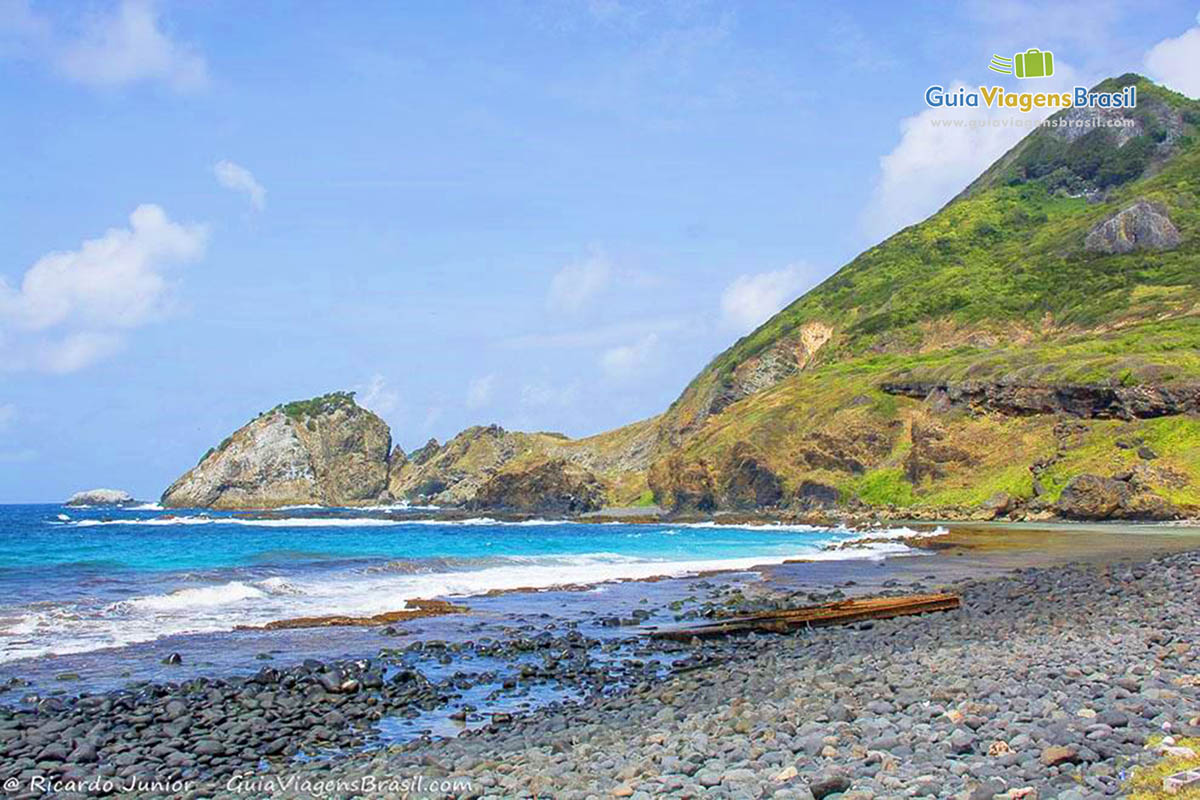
{"x":1027,"y":351}
{"x":1087,"y":401}
{"x":451,"y":474}
{"x":551,"y":486}
{"x":325,"y":451}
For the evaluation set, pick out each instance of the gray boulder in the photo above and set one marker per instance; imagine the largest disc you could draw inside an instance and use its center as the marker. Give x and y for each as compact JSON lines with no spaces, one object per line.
{"x":1142,"y":226}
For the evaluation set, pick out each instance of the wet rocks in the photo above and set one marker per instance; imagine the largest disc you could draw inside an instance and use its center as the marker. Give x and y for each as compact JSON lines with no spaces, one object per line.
{"x":1046,"y":679}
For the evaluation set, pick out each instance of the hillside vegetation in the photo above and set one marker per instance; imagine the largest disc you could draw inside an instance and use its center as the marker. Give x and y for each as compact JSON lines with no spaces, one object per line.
{"x":1029,"y":350}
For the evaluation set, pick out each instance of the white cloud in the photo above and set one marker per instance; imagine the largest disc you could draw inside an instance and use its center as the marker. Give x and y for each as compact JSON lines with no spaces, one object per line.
{"x":72,"y":308}
{"x":630,"y":359}
{"x":239,"y":179}
{"x":377,"y":396}
{"x":8,"y":413}
{"x":937,"y":157}
{"x":752,"y":299}
{"x":127,"y":45}
{"x":575,"y":285}
{"x":479,"y":391}
{"x":1175,"y":63}
{"x":76,"y":351}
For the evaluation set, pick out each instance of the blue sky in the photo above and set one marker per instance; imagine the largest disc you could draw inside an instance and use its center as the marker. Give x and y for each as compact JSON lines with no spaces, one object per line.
{"x":546,"y":215}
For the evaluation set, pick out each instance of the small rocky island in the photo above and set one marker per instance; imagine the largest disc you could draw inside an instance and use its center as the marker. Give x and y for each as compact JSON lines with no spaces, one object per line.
{"x":101,"y":497}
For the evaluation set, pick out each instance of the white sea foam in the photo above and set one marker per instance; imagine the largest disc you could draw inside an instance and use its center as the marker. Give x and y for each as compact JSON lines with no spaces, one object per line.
{"x":184,"y":599}
{"x":261,"y":522}
{"x":355,"y":592}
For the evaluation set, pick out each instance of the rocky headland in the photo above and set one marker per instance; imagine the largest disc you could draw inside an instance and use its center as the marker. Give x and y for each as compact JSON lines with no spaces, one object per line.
{"x":325,"y":451}
{"x":1026,"y":353}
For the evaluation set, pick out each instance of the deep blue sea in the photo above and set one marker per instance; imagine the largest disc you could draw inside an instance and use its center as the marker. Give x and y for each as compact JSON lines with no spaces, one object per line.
{"x":75,"y":580}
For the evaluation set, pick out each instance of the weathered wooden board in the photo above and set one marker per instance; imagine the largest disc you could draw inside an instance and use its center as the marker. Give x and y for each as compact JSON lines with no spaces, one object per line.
{"x":839,"y":613}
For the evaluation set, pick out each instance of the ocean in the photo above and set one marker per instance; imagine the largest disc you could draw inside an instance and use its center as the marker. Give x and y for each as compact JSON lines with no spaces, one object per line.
{"x":78,"y":580}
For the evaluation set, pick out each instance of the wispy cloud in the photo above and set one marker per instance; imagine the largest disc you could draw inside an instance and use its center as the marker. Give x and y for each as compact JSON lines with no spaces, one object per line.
{"x":937,"y":157}
{"x":752,"y":299}
{"x":239,"y":179}
{"x":479,"y":391}
{"x":598,"y":336}
{"x":544,"y":394}
{"x":74,"y":308}
{"x":376,"y":395}
{"x":1175,"y":62}
{"x":123,"y":44}
{"x":8,"y":413}
{"x":576,"y":285}
{"x":627,"y":360}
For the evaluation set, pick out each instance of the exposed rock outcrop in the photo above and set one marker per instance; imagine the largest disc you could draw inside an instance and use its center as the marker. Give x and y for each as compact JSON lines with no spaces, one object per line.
{"x":326,"y":451}
{"x":851,"y":450}
{"x":1141,"y":226}
{"x":787,"y":357}
{"x":815,"y":496}
{"x":931,"y":456}
{"x":1092,"y":497}
{"x":451,"y":474}
{"x":101,"y":497}
{"x":746,"y":482}
{"x":1081,"y":400}
{"x":682,"y":485}
{"x":553,"y":486}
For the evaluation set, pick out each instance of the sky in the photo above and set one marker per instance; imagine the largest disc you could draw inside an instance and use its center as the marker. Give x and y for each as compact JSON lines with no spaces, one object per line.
{"x":547,"y":215}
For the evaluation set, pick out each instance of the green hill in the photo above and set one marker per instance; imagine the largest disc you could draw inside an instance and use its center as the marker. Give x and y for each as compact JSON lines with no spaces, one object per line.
{"x":1030,"y":350}
{"x":1070,"y":265}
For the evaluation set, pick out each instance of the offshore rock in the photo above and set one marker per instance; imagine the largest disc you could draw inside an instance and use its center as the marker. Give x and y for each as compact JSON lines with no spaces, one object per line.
{"x":101,"y":497}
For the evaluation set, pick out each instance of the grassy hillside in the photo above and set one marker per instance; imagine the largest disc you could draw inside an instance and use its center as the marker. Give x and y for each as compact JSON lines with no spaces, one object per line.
{"x":997,"y":286}
{"x":1002,"y":263}
{"x":1031,"y":349}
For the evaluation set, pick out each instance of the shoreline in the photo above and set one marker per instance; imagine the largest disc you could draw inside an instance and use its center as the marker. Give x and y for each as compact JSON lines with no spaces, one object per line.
{"x":520,"y":679}
{"x":640,"y":515}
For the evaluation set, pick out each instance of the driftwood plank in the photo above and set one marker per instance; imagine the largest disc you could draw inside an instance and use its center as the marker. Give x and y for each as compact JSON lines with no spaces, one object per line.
{"x":839,"y":613}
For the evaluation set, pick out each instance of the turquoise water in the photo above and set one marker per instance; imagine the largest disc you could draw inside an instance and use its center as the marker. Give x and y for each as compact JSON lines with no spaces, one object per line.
{"x":74,"y":580}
